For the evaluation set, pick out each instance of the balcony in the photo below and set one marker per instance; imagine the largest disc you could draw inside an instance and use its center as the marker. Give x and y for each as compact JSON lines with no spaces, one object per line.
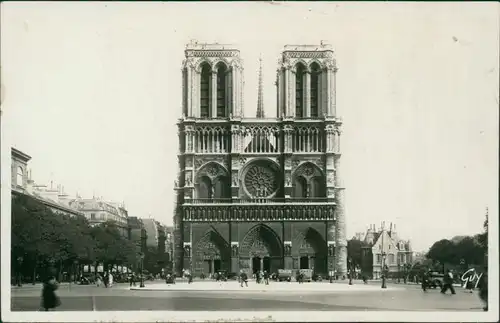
{"x":238,"y":201}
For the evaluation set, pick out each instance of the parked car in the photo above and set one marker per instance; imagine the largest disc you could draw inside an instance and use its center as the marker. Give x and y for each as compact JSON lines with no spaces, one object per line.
{"x":284,"y":275}
{"x":317,"y":277}
{"x":170,"y":278}
{"x":306,"y":275}
{"x":435,"y":280}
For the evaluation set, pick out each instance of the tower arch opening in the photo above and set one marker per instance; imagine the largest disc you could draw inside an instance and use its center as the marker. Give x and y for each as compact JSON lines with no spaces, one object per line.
{"x":222,"y":92}
{"x":205,"y":93}
{"x":300,"y":72}
{"x":315,"y":89}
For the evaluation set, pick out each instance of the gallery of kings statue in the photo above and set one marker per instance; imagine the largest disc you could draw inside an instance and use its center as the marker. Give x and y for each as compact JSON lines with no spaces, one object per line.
{"x":259,"y":193}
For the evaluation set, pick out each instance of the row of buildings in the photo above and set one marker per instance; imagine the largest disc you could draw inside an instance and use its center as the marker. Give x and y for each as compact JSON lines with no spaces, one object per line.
{"x":149,"y":235}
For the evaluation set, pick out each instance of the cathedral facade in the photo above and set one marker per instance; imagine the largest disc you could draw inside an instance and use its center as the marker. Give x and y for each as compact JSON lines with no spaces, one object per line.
{"x":259,"y":193}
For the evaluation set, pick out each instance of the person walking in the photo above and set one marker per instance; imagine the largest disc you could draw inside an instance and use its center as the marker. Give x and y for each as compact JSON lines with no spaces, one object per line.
{"x":425,"y":279}
{"x":110,"y":279}
{"x":448,"y":282}
{"x":243,"y":278}
{"x":105,"y":279}
{"x":266,"y":277}
{"x":483,"y":289}
{"x":131,"y":279}
{"x":49,"y":298}
{"x":98,"y":280}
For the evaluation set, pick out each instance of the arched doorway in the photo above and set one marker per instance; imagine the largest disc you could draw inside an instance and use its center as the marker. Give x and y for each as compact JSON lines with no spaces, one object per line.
{"x":261,"y":250}
{"x":212,"y":254}
{"x":310,"y":251}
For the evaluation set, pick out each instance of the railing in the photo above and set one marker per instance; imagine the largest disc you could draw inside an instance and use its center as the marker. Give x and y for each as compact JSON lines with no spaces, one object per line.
{"x":292,"y":200}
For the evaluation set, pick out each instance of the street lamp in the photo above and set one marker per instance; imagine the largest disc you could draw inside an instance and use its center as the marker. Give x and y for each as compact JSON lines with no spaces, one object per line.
{"x":20,"y":263}
{"x":399,"y":270}
{"x":142,"y":270}
{"x":75,"y":262}
{"x":384,"y":272}
{"x":350,"y":271}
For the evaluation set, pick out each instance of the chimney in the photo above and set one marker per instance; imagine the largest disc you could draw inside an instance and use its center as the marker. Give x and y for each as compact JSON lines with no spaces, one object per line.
{"x":29,"y":186}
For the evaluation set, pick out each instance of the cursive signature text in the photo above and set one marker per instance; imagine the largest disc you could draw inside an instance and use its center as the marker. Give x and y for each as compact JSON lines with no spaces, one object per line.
{"x":471,"y":276}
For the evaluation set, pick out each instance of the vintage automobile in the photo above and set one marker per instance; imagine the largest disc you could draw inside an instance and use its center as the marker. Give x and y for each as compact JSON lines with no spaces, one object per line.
{"x":435,"y":280}
{"x":317,"y":277}
{"x":284,"y":275}
{"x":307,"y":275}
{"x":170,"y":278}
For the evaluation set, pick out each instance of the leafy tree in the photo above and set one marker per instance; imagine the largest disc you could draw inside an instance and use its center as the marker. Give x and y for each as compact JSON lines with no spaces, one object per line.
{"x":442,"y":251}
{"x":354,"y":251}
{"x":41,"y":236}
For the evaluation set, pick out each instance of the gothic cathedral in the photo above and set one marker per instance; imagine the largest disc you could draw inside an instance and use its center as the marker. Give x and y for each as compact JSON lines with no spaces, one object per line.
{"x":259,"y":193}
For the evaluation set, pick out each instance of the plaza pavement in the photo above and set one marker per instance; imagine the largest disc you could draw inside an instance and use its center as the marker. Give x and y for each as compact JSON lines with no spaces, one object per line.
{"x":208,"y":296}
{"x":274,"y":287}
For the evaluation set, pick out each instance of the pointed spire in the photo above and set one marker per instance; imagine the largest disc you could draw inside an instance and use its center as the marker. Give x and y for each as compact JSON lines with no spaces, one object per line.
{"x":260,"y":99}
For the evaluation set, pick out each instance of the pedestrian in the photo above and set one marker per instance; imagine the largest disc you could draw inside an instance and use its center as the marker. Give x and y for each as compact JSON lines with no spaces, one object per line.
{"x":266,"y":277}
{"x":98,"y":280}
{"x":105,"y":279}
{"x":448,"y":282}
{"x":243,"y":278}
{"x":110,"y":279}
{"x":426,"y":277}
{"x":49,"y":298}
{"x":469,"y":283}
{"x":131,"y":279}
{"x":483,"y":289}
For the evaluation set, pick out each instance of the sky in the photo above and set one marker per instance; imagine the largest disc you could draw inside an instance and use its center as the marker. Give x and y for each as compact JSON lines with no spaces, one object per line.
{"x":92,"y":92}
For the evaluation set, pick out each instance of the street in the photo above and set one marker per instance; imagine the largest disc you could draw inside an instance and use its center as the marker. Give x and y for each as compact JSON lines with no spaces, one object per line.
{"x":211,"y":296}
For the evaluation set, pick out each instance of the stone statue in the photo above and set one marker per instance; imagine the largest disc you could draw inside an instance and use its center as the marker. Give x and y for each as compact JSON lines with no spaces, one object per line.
{"x":288,"y":250}
{"x":234,"y":250}
{"x":331,"y":250}
{"x":187,"y":251}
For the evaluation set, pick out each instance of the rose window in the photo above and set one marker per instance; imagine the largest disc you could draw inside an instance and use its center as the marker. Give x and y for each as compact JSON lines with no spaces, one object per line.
{"x":260,"y":180}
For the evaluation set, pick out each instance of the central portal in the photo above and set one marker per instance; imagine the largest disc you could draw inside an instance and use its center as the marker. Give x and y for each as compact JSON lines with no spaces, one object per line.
{"x":261,"y":264}
{"x":261,"y":250}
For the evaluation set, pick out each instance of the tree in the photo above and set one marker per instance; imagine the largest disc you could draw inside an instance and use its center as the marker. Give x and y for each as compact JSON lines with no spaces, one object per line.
{"x":41,"y":236}
{"x":442,"y":251}
{"x":354,"y":251}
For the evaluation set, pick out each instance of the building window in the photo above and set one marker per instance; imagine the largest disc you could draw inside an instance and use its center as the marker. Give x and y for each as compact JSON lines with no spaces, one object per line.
{"x":379,"y":258}
{"x":391,"y":259}
{"x":205,"y":80}
{"x":221,"y":91}
{"x":19,"y":176}
{"x":299,"y":91}
{"x":92,"y":216}
{"x":315,"y":74}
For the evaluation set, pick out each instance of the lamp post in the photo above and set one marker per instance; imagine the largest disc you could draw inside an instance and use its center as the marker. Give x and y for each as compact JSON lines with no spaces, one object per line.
{"x":399,"y":270}
{"x":350,"y":271}
{"x":142,"y":270}
{"x":20,"y":263}
{"x":76,"y":271}
{"x":384,"y":272}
